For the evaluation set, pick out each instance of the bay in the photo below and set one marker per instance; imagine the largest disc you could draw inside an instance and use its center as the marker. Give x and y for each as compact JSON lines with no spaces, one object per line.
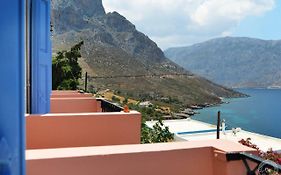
{"x":260,"y":113}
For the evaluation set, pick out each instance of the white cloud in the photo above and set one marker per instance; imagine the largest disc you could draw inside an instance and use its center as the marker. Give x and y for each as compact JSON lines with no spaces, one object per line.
{"x":182,"y":22}
{"x":214,"y":11}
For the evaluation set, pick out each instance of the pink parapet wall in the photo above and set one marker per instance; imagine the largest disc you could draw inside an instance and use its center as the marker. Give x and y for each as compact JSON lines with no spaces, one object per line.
{"x":63,"y":92}
{"x":186,"y":158}
{"x":75,"y":105}
{"x":82,"y":130}
{"x":70,"y":95}
{"x":73,"y":102}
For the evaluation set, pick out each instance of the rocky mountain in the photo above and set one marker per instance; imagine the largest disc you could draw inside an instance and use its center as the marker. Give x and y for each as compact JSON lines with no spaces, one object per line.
{"x":233,"y":61}
{"x":115,"y":54}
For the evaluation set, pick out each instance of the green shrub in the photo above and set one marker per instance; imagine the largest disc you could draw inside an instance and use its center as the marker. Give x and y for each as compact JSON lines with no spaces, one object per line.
{"x":158,"y":134}
{"x":125,"y":101}
{"x":66,"y":70}
{"x":115,"y":99}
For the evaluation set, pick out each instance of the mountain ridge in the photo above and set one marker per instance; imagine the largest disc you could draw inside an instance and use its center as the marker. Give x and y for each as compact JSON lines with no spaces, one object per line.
{"x":113,"y":46}
{"x":233,"y":61}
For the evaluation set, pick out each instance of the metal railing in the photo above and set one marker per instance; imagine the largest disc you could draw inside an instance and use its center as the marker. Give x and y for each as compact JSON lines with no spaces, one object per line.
{"x":109,"y":107}
{"x":262,"y":166}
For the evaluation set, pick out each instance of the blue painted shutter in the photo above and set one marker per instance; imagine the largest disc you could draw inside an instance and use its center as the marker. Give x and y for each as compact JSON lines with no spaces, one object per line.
{"x":12,"y":121}
{"x":41,"y":60}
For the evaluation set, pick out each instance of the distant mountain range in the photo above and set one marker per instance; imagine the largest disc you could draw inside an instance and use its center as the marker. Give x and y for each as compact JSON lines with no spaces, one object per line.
{"x":113,"y":47}
{"x":233,"y":61}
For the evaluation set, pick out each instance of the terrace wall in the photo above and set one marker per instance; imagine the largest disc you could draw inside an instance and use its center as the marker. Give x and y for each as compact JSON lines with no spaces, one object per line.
{"x":189,"y":158}
{"x":70,"y":95}
{"x":75,"y":105}
{"x":82,"y":130}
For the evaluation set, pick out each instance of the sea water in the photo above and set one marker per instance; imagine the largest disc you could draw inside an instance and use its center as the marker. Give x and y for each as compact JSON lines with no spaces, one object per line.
{"x":260,"y":113}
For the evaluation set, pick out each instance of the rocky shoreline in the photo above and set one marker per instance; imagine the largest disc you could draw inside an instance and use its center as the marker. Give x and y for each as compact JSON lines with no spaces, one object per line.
{"x":192,"y":110}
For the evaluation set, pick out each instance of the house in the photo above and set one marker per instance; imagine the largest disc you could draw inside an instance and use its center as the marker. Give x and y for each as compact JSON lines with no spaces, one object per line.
{"x":67,"y":132}
{"x":146,"y":104}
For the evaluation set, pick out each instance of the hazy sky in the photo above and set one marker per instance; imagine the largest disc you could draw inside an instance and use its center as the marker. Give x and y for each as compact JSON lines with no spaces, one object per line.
{"x":173,"y":23}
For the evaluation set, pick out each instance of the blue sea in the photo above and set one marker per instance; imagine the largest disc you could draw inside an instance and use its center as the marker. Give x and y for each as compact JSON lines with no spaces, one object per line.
{"x":260,"y":113}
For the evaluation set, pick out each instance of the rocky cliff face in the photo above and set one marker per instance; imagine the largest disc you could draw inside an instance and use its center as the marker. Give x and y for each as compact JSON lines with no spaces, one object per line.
{"x":70,"y":15}
{"x":84,"y":8}
{"x":110,"y":29}
{"x":113,"y":47}
{"x":233,"y":61}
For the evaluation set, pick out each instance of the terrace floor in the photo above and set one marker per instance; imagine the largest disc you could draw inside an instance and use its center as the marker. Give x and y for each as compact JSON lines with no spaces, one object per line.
{"x":193,"y":130}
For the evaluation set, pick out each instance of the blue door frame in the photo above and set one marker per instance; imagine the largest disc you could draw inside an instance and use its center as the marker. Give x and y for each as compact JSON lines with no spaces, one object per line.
{"x":41,"y":62}
{"x":12,"y":56}
{"x":12,"y":73}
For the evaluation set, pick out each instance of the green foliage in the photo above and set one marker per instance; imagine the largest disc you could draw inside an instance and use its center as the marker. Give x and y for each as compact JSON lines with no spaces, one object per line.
{"x":158,"y":134}
{"x":66,"y":70}
{"x":115,"y":99}
{"x":148,"y":113}
{"x":125,"y":101}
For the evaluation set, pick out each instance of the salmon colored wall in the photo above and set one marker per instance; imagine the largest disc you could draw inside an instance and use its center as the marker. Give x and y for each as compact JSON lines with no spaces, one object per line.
{"x":177,"y":162}
{"x":82,"y":130}
{"x":64,"y":92}
{"x":75,"y":105}
{"x":223,"y":167}
{"x":70,"y":95}
{"x":238,"y":167}
{"x":181,"y":158}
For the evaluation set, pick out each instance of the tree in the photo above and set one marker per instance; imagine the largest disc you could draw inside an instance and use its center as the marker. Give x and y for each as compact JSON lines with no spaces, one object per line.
{"x":157,"y":134}
{"x":66,"y":70}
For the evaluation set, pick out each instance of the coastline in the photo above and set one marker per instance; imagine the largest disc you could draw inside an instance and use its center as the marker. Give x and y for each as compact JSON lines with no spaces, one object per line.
{"x":222,"y":100}
{"x":196,"y":108}
{"x":259,"y":114}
